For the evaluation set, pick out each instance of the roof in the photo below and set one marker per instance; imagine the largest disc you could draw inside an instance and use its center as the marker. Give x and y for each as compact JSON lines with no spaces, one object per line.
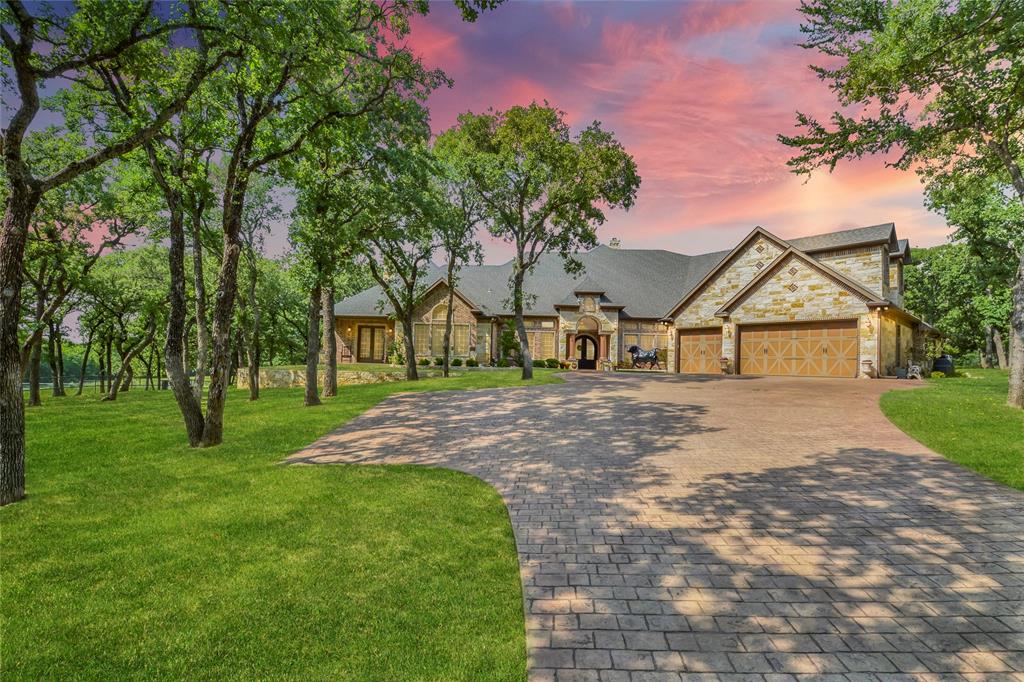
{"x":872,"y":234}
{"x":645,"y":283}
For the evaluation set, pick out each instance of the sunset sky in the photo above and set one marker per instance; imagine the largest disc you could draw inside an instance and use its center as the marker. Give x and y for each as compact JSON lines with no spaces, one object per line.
{"x":696,"y":91}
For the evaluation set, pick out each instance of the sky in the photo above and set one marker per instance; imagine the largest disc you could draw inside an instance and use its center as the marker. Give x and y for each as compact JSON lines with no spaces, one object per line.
{"x":696,"y":92}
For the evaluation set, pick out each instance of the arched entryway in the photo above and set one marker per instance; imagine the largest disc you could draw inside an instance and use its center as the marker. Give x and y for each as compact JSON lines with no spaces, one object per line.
{"x":586,"y":352}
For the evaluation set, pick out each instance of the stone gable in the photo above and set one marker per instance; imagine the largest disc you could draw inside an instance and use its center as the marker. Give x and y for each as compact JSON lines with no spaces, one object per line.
{"x":745,"y":266}
{"x":795,"y":292}
{"x":868,"y":266}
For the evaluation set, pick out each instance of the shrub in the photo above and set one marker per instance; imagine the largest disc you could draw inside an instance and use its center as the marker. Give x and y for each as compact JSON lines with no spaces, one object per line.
{"x":472,"y":362}
{"x":938,"y":375}
{"x":456,"y":362}
{"x":503,"y":362}
{"x":552,"y":363}
{"x":438,"y":361}
{"x":424,"y":362}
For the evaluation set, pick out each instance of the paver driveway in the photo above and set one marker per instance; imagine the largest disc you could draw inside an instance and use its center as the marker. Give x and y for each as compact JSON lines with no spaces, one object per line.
{"x":672,"y":527}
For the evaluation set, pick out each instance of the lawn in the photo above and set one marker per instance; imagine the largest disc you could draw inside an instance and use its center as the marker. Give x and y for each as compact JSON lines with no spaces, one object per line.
{"x":966,"y":420}
{"x":135,"y":556}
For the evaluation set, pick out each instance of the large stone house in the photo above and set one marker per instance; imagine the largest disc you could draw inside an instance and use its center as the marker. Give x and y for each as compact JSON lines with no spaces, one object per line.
{"x":825,"y":305}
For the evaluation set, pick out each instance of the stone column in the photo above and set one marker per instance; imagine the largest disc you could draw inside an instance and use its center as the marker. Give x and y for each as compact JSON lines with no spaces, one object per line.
{"x":729,"y":344}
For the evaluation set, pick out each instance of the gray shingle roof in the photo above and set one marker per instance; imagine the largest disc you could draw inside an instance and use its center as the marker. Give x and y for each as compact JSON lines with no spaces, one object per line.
{"x":647,"y":283}
{"x":838,"y":240}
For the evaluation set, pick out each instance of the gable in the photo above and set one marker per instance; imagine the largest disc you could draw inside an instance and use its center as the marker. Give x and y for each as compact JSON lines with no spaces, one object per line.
{"x":797,"y":290}
{"x":438,"y":295}
{"x":867,"y":265}
{"x":742,"y":267}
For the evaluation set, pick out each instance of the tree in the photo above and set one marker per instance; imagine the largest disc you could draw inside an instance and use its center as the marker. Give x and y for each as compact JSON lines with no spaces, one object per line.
{"x":938,"y":81}
{"x":261,"y":211}
{"x":544,"y":189}
{"x":462,"y":212}
{"x":128,"y":289}
{"x":954,"y":289}
{"x":398,"y":237}
{"x":38,"y":48}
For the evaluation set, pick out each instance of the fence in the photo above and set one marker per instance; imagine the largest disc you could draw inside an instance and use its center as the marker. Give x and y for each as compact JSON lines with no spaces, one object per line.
{"x":92,"y":384}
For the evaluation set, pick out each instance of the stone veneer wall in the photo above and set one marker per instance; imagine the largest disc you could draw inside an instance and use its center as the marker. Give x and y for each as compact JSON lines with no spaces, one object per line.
{"x":608,"y":323}
{"x":700,"y":311}
{"x":888,"y":345}
{"x":868,"y":266}
{"x":799,"y":293}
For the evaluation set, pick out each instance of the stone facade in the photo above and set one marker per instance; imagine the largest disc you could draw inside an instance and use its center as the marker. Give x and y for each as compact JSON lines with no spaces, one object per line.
{"x":766,"y":280}
{"x":744,"y":267}
{"x":868,"y":266}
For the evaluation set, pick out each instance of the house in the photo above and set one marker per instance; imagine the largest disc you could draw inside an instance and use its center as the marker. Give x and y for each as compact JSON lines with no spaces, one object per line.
{"x":824,"y":305}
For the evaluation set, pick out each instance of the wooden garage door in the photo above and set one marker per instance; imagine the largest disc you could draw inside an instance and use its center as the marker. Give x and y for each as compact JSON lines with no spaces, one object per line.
{"x":699,"y":350}
{"x":811,"y":349}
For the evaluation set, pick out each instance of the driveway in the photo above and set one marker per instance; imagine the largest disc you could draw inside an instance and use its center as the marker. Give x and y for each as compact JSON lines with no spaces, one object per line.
{"x":736,"y":528}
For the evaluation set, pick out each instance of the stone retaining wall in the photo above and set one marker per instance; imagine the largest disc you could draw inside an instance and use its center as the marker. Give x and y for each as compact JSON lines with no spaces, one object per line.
{"x":273,"y":377}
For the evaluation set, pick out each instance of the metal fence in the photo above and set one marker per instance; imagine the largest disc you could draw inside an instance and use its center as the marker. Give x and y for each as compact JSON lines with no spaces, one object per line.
{"x":92,"y":384}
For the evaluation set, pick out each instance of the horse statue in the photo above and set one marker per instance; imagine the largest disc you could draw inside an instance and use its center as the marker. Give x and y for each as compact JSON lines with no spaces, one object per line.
{"x":644,"y":357}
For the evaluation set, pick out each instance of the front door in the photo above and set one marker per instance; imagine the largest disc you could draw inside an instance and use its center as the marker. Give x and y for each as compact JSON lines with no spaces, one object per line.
{"x":370,"y":347}
{"x":586,"y":352}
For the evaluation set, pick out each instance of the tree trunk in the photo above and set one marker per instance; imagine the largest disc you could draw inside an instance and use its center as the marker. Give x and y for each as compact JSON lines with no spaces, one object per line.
{"x":34,"y":359}
{"x":447,"y":343}
{"x":174,"y":348}
{"x":223,"y":310}
{"x":202,"y":328}
{"x":59,"y":385}
{"x":411,"y":373}
{"x":524,"y":340}
{"x":997,"y":343}
{"x":126,"y":380}
{"x":330,"y":342}
{"x":312,"y":346}
{"x":255,"y":348}
{"x":117,"y":384}
{"x":159,"y":374}
{"x":1015,"y":395}
{"x":988,"y":352}
{"x":85,"y":363}
{"x":110,"y":362}
{"x":102,"y":368}
{"x":20,"y":204}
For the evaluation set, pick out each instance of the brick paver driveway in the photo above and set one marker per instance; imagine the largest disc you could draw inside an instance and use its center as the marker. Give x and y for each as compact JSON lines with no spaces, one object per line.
{"x":672,"y":527}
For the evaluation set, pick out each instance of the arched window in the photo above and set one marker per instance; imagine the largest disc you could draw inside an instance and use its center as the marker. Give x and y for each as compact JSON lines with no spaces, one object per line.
{"x":587,"y":324}
{"x":439,"y":313}
{"x":429,"y":335}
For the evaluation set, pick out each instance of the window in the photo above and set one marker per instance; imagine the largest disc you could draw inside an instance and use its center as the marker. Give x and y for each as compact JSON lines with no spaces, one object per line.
{"x":428,"y":337}
{"x":542,"y":344}
{"x":421,"y":339}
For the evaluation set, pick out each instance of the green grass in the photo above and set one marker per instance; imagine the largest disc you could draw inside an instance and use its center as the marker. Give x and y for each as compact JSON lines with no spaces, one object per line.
{"x":966,"y":420}
{"x":136,"y":557}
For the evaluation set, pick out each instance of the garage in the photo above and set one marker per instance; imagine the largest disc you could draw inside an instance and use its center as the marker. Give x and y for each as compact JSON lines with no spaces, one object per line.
{"x":699,"y":351}
{"x":807,"y":349}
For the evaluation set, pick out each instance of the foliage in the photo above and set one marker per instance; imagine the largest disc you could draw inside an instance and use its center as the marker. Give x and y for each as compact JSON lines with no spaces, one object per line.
{"x":502,"y":362}
{"x":439,"y":361}
{"x":405,"y":572}
{"x":508,"y":344}
{"x":456,"y":362}
{"x":966,"y":421}
{"x":953,"y":289}
{"x":472,"y":362}
{"x":552,"y":363}
{"x":938,"y":375}
{"x":939,"y":82}
{"x":542,"y":188}
{"x":424,"y":362}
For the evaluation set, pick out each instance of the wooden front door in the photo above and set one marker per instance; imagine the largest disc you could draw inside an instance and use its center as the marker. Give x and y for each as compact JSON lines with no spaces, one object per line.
{"x":586,"y":352}
{"x":699,"y":351}
{"x":807,"y":349}
{"x":370,"y":346}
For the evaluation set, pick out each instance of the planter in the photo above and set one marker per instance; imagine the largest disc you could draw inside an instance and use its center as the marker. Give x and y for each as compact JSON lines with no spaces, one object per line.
{"x":867,"y":369}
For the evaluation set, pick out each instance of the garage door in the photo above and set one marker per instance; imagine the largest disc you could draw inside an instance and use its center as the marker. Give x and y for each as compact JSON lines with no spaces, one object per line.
{"x":811,"y":349}
{"x":699,"y":350}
